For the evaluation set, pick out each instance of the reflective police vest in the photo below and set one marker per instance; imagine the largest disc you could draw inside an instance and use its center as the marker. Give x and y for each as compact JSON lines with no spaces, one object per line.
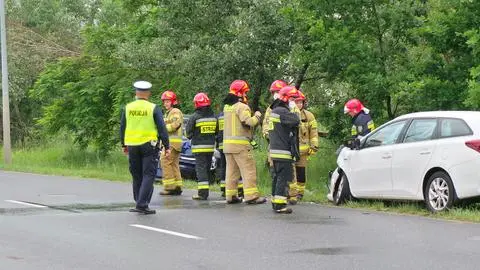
{"x":140,"y":125}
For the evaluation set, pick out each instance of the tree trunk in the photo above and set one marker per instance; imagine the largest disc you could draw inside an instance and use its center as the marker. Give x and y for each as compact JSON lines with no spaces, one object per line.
{"x":301,"y":75}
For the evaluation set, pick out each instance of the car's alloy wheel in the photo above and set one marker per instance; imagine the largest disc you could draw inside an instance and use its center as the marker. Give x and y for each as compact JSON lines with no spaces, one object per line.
{"x":439,"y":193}
{"x":341,"y":193}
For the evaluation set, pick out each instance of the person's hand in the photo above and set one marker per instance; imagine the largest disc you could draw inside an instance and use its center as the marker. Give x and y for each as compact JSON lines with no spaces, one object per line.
{"x":258,"y":114}
{"x":167,"y":152}
{"x":125,"y":150}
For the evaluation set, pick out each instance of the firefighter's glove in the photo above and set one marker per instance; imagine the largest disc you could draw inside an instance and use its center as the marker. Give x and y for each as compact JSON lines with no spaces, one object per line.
{"x":312,"y":151}
{"x":254,"y":144}
{"x":258,"y":114}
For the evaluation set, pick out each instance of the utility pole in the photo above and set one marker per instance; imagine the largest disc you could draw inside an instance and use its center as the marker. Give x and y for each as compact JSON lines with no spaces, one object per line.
{"x":7,"y":145}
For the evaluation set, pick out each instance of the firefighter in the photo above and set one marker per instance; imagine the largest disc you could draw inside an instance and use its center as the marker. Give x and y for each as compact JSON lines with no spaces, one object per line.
{"x":284,"y":150}
{"x":141,"y":130}
{"x":362,"y":122}
{"x":308,"y":137}
{"x":222,"y":162}
{"x":202,"y":129}
{"x":237,"y":145}
{"x":172,"y":179}
{"x":275,"y":88}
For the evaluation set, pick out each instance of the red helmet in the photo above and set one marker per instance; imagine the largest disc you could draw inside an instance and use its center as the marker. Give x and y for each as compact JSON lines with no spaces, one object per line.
{"x":201,"y":100}
{"x":239,"y":88}
{"x":288,"y":92}
{"x":301,"y":96}
{"x":277,"y":86}
{"x":170,"y":95}
{"x":354,"y":106}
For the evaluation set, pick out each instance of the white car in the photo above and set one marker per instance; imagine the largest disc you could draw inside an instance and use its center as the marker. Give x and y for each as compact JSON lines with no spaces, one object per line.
{"x":426,"y":156}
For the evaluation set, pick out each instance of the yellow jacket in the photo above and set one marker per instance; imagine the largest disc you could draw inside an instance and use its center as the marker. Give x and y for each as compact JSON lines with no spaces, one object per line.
{"x":238,"y":127}
{"x":173,"y":120}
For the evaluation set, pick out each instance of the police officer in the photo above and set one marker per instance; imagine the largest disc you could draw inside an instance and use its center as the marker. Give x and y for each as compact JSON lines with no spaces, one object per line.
{"x":238,"y":135}
{"x":172,"y":178}
{"x":141,"y":130}
{"x":362,"y":122}
{"x":283,"y":146}
{"x":308,"y":136}
{"x":202,"y":129}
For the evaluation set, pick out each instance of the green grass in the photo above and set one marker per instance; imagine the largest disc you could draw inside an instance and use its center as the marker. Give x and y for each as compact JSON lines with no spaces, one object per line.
{"x":66,"y":160}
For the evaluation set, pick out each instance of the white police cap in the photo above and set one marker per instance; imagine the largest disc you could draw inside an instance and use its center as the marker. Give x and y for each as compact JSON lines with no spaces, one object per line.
{"x":142,"y":85}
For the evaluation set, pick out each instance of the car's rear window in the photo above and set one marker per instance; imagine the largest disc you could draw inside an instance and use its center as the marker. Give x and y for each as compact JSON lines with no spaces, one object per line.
{"x":452,"y":127}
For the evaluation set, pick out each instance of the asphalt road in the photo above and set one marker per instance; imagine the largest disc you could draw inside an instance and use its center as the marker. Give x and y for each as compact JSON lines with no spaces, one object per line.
{"x":49,"y":222}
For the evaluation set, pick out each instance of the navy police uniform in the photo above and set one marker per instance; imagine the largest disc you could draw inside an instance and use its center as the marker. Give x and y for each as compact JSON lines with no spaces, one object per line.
{"x":141,"y":130}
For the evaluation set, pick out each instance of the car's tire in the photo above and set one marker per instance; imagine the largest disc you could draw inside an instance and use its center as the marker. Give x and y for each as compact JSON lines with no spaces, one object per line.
{"x":341,"y":192}
{"x":439,"y":193}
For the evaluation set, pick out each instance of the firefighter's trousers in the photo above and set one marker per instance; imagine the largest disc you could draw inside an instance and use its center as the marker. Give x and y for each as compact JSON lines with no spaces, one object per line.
{"x":171,"y":170}
{"x":283,"y":174}
{"x":203,"y":162}
{"x":300,"y":171}
{"x":143,"y":160}
{"x":242,"y":165}
{"x":292,"y":184}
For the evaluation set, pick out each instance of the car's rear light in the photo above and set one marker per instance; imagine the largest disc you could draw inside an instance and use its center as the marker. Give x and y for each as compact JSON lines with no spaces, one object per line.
{"x":474,"y":144}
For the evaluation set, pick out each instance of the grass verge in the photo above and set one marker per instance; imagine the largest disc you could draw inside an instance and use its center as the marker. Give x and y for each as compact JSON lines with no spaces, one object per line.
{"x":65,"y":160}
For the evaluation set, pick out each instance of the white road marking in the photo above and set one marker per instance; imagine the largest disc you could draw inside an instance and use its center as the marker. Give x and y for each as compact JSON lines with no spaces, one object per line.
{"x":167,"y":232}
{"x":27,"y":204}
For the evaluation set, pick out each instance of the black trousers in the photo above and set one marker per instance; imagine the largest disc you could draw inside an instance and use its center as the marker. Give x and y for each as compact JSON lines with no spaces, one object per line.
{"x":282,"y":175}
{"x":221,"y":167}
{"x":203,"y":162}
{"x":143,"y":160}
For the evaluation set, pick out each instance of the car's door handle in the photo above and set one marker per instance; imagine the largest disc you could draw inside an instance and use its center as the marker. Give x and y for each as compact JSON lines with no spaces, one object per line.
{"x":386,"y":156}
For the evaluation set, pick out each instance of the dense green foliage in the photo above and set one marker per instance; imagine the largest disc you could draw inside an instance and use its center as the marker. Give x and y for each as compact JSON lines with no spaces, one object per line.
{"x":397,"y":56}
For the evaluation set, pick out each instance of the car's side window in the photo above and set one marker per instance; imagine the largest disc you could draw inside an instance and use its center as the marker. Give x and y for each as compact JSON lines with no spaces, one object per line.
{"x":421,"y":130}
{"x":386,"y":135}
{"x":451,"y":127}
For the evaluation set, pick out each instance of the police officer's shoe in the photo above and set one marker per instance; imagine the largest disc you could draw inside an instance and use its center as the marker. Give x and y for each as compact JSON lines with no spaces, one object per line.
{"x":234,"y":200}
{"x":284,"y":210}
{"x":258,"y":200}
{"x":147,"y":211}
{"x":199,"y":198}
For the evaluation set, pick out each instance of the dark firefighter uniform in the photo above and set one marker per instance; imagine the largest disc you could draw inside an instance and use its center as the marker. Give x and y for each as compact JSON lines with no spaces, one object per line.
{"x":283,"y":149}
{"x":362,"y":124}
{"x":202,"y":129}
{"x":141,"y":130}
{"x":293,"y":189}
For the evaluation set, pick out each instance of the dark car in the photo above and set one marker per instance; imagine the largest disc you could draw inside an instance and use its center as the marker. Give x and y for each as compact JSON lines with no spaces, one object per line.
{"x":187,"y":160}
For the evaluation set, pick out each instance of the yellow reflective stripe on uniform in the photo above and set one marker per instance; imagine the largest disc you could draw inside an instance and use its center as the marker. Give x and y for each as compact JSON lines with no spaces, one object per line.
{"x":313,"y":124}
{"x":236,"y":140}
{"x":179,"y":183}
{"x":221,"y":123}
{"x":175,"y":139}
{"x":203,"y":185}
{"x":371,"y":125}
{"x":222,"y":183}
{"x":281,"y":154}
{"x":220,"y":145}
{"x":250,"y":191}
{"x":279,"y":199}
{"x":354,"y":130}
{"x":203,"y":148}
{"x":240,"y":185}
{"x":231,"y":192}
{"x":304,"y":147}
{"x":274,"y":117}
{"x":292,"y":185}
{"x":168,"y":181}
